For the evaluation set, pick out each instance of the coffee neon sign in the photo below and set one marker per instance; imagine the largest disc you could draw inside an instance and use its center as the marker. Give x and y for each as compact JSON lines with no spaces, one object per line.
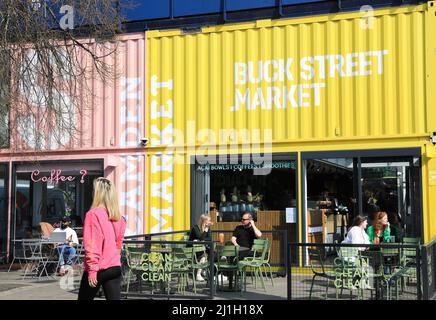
{"x":56,"y":176}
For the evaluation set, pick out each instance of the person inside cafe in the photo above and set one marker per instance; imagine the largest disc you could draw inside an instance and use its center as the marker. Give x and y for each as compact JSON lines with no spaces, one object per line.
{"x":397,"y":231}
{"x":68,"y":248}
{"x":201,"y":232}
{"x":357,"y":233}
{"x":244,"y":235}
{"x":380,"y":230}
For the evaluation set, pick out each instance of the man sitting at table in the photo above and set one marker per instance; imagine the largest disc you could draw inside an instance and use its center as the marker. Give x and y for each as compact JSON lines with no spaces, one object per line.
{"x":244,"y":235}
{"x":68,"y":247}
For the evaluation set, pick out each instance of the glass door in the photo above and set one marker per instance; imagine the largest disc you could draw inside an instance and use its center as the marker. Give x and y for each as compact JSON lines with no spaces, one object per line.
{"x":392,"y":185}
{"x":338,"y":187}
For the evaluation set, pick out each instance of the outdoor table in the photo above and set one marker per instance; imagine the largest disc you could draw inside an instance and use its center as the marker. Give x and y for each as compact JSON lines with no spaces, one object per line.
{"x":161,"y":250}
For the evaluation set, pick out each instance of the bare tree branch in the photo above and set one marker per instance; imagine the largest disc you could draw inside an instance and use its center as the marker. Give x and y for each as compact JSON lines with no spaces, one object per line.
{"x":49,"y":52}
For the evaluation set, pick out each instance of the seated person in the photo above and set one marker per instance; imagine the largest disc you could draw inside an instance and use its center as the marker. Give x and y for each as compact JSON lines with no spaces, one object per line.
{"x":68,"y":248}
{"x":201,"y":232}
{"x":244,"y":235}
{"x":357,"y":233}
{"x":396,"y":230}
{"x":379,"y":231}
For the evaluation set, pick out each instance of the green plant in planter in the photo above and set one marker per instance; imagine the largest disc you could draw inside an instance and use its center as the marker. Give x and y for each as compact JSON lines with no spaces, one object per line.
{"x":249,"y":197}
{"x":223,"y":196}
{"x":258,"y":197}
{"x":67,"y":212}
{"x":235,"y":195}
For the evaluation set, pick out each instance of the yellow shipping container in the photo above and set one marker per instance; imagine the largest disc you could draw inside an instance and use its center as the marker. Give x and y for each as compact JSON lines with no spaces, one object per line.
{"x":330,"y":82}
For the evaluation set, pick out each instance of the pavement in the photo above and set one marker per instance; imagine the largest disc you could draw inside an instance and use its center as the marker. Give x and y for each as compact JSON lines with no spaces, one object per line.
{"x":14,"y":287}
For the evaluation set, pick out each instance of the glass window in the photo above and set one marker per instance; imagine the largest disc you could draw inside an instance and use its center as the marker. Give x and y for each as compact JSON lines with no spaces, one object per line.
{"x":389,"y":185}
{"x":330,"y":201}
{"x":235,"y":189}
{"x":339,"y":189}
{"x":39,"y":201}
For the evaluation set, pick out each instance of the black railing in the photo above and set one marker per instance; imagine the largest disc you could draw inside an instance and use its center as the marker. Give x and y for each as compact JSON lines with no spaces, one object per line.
{"x":279,"y":252}
{"x":164,"y":269}
{"x":344,"y":271}
{"x":150,"y":270}
{"x":428,"y":256}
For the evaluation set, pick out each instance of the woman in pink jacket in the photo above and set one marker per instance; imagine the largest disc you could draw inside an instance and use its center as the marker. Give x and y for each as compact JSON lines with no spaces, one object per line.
{"x":103,"y":234}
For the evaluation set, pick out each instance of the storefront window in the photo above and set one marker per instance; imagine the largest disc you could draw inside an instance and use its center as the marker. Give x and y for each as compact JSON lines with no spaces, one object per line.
{"x":390,"y":185}
{"x":235,"y":189}
{"x":338,"y":189}
{"x":330,"y":198}
{"x":229,"y":190}
{"x":3,"y":207}
{"x":47,"y":196}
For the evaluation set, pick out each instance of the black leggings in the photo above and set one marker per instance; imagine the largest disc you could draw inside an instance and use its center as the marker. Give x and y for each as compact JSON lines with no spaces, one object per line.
{"x":109,"y":278}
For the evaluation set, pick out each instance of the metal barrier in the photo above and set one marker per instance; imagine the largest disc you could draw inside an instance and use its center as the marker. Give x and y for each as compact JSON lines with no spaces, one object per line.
{"x":344,"y":271}
{"x":278,"y":255}
{"x":151,"y":264}
{"x":165,"y":269}
{"x":428,"y":256}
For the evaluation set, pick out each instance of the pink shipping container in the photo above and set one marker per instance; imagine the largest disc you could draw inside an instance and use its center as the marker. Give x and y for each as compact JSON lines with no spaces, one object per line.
{"x":43,"y":186}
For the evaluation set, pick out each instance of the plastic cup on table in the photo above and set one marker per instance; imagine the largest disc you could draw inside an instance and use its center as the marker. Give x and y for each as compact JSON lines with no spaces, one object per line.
{"x":221,"y":238}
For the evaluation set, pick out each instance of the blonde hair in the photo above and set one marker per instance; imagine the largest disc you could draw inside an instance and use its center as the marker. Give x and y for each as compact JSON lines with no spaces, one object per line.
{"x":105,"y":196}
{"x":201,"y":221}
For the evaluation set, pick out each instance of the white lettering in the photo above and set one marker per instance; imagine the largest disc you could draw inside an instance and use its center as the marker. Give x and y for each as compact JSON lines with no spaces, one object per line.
{"x":132,"y":172}
{"x":155,"y":113}
{"x":131,"y":142}
{"x":251,"y":72}
{"x":131,"y":91}
{"x":351,"y":64}
{"x":161,"y":163}
{"x":130,"y":199}
{"x":160,"y":190}
{"x":165,"y":136}
{"x":307,"y":68}
{"x":266,"y":72}
{"x":240,"y":73}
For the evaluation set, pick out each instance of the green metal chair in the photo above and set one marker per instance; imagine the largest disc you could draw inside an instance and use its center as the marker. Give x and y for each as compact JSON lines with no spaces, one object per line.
{"x":254,"y":262}
{"x":196,"y":264}
{"x":228,"y":258}
{"x":266,"y":261}
{"x":375,"y":274}
{"x":349,"y":271}
{"x":392,"y":267}
{"x":409,"y":260}
{"x":181,"y":258}
{"x":135,"y":259}
{"x":316,"y":262}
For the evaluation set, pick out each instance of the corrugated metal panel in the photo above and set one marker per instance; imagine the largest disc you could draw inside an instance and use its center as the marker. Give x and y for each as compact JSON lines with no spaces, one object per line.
{"x":377,"y":90}
{"x":107,"y":115}
{"x":130,"y":182}
{"x":168,"y":194}
{"x":114,"y":117}
{"x":372,"y":85}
